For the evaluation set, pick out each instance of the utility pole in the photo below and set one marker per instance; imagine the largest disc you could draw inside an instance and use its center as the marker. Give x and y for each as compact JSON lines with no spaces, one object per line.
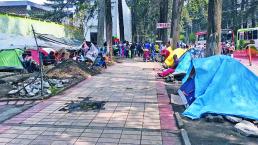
{"x":40,"y":60}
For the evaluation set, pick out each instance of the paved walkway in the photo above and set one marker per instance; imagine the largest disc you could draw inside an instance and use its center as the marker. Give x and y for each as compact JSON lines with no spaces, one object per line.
{"x":136,"y":112}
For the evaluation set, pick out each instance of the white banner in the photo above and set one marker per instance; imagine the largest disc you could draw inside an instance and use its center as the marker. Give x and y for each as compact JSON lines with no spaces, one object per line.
{"x":163,"y":25}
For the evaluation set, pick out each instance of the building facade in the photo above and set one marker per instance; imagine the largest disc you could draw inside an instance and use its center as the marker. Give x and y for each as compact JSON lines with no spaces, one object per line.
{"x":91,"y":30}
{"x":23,"y":8}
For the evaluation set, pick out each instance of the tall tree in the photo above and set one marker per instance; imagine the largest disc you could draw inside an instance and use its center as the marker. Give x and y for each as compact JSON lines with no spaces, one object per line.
{"x":214,"y":28}
{"x":133,"y":12}
{"x":176,"y":15}
{"x":108,"y":15}
{"x":121,"y":20}
{"x":234,"y":15}
{"x":101,"y":22}
{"x":198,"y":13}
{"x":163,"y":18}
{"x":253,"y":6}
{"x":145,"y":15}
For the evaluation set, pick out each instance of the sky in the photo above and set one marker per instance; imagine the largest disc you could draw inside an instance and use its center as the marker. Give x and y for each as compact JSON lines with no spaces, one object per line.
{"x":35,"y":1}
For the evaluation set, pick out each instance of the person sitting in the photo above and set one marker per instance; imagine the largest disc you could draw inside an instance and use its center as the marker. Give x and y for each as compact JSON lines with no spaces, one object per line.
{"x":164,"y":55}
{"x":101,"y":61}
{"x":29,"y":64}
{"x":52,"y":58}
{"x":171,"y":69}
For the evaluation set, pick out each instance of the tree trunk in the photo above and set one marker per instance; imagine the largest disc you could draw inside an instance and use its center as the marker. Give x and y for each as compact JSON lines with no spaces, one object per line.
{"x":214,"y":28}
{"x":101,"y":22}
{"x":163,"y":19}
{"x":134,"y":38}
{"x":121,"y":20}
{"x":242,"y":13}
{"x":234,"y":16}
{"x":254,"y":5}
{"x":134,"y":25}
{"x":109,"y":27}
{"x":176,"y":15}
{"x":246,"y":15}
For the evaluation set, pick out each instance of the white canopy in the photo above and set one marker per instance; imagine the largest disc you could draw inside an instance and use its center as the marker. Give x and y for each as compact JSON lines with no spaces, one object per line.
{"x":8,"y":41}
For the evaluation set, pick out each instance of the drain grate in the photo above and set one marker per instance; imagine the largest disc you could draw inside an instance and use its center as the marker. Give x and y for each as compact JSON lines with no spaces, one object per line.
{"x":84,"y":105}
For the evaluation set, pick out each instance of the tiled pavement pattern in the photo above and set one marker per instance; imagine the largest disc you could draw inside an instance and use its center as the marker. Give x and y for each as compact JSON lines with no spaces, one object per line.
{"x":136,"y":112}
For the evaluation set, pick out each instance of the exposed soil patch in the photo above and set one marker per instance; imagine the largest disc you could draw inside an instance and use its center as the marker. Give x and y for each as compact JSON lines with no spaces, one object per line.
{"x":71,"y":68}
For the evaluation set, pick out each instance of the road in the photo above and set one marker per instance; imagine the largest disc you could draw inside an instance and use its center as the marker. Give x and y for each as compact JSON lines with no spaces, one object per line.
{"x":137,"y":111}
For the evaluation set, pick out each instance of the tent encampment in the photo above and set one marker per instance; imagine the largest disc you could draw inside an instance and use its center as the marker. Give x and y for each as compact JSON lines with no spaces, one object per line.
{"x":10,"y":59}
{"x":185,"y":62}
{"x":223,"y":86}
{"x":9,"y":41}
{"x":179,"y":52}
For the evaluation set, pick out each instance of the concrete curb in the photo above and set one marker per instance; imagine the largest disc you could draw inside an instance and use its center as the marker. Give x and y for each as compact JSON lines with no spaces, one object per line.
{"x":179,"y":120}
{"x":185,"y":137}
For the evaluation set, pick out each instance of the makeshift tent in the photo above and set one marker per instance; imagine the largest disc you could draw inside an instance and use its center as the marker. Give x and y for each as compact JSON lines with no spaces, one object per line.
{"x":92,"y":54}
{"x":35,"y":55}
{"x":10,"y":59}
{"x":184,"y":63}
{"x":168,"y":56}
{"x":15,"y":41}
{"x":223,"y":86}
{"x":186,"y":92}
{"x":170,"y":61}
{"x":9,"y":41}
{"x":70,"y":44}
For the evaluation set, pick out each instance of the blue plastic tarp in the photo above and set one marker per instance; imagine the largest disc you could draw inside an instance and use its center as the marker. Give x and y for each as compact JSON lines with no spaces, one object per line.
{"x":184,"y":63}
{"x":188,"y":88}
{"x":224,"y":86}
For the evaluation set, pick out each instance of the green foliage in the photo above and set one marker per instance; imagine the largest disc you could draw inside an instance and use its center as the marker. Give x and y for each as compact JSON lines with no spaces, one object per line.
{"x":192,"y":37}
{"x":54,"y":90}
{"x":182,"y":37}
{"x":241,"y":44}
{"x":146,"y":16}
{"x":253,"y":48}
{"x":198,"y":14}
{"x":84,"y":10}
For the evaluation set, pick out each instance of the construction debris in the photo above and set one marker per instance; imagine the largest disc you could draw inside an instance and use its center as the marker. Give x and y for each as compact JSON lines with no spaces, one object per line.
{"x":233,"y":119}
{"x":32,"y":87}
{"x":247,"y":128}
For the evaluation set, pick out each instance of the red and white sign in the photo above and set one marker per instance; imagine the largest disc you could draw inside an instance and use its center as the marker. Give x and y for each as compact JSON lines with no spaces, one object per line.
{"x":163,"y":25}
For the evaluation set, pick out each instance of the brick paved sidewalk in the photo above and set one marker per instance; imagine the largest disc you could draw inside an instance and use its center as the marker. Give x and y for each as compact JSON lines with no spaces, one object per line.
{"x":137,"y":112}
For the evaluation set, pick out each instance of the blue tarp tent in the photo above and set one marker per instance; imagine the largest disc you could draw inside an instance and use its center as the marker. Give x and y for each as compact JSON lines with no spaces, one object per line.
{"x":223,"y":86}
{"x":184,"y":63}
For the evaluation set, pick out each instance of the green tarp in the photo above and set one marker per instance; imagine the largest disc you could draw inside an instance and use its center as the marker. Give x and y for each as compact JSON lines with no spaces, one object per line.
{"x":9,"y":59}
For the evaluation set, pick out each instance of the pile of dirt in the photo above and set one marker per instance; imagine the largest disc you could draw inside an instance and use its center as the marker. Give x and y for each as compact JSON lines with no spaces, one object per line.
{"x":68,"y":69}
{"x":87,"y":68}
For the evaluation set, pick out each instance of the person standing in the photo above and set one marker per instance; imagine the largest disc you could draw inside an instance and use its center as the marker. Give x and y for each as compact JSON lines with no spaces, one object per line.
{"x":132,"y":49}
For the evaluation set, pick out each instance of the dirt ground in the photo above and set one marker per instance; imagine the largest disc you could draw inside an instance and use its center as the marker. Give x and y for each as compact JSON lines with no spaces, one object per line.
{"x":201,"y":132}
{"x":71,"y":68}
{"x":68,"y":69}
